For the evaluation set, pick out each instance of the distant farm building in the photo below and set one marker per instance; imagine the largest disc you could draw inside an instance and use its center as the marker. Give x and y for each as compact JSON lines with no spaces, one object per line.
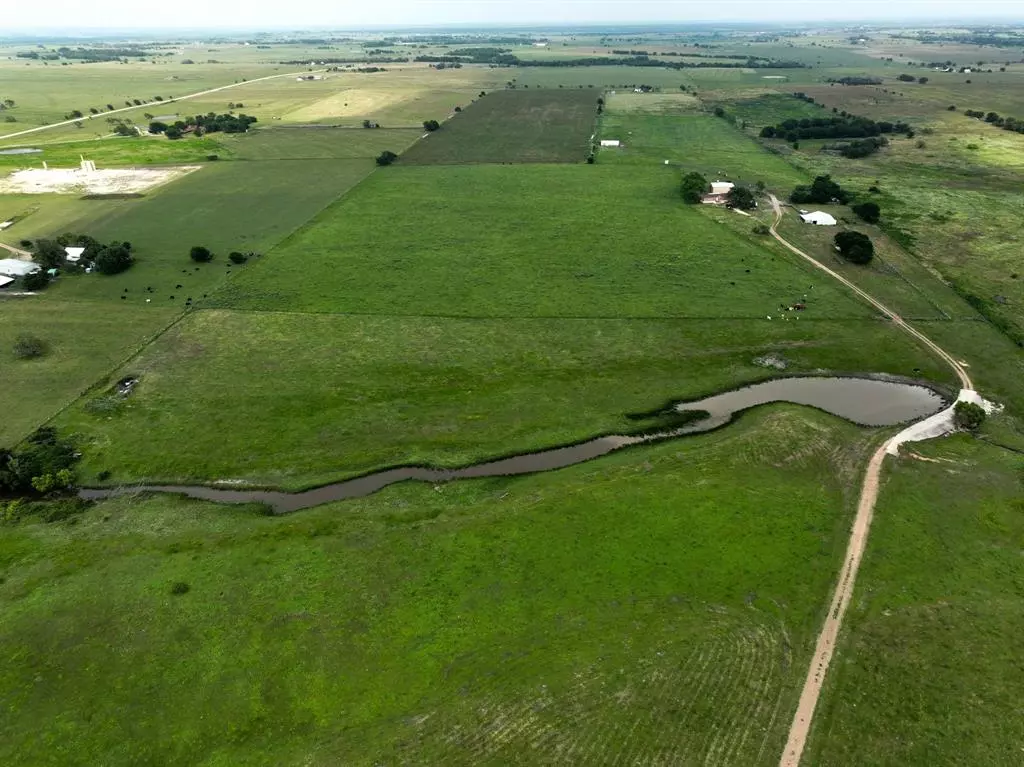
{"x":74,"y":255}
{"x":610,"y":142}
{"x":13,"y":267}
{"x":719,"y":193}
{"x":818,"y":218}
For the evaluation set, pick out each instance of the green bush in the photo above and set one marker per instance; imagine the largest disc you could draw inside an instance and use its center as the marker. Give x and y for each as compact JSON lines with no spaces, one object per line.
{"x":968,"y":416}
{"x":28,"y":347}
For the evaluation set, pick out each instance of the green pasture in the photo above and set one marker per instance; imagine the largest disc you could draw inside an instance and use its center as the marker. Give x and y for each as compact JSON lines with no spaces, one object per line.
{"x":658,"y":604}
{"x":223,"y":206}
{"x":318,"y":143}
{"x":770,"y":108}
{"x":601,"y":241}
{"x":703,"y":143}
{"x":85,"y":342}
{"x":513,"y":127}
{"x":116,"y":152}
{"x":295,"y":400}
{"x":929,"y":672}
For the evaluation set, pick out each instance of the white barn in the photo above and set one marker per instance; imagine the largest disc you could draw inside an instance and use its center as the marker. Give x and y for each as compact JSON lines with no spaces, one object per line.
{"x":13,"y":267}
{"x":818,"y":218}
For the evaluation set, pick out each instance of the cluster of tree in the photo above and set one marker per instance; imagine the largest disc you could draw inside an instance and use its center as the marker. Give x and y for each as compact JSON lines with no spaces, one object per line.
{"x":431,"y":125}
{"x":113,"y":258}
{"x":122,"y":127}
{"x":386,"y":157}
{"x":968,"y":416}
{"x":855,"y":80}
{"x":693,"y":188}
{"x":994,"y":118}
{"x":41,"y":465}
{"x":740,"y":197}
{"x":375,"y":60}
{"x":854,"y":150}
{"x":823,"y":191}
{"x":843,"y":126}
{"x":7,"y":104}
{"x":370,"y":70}
{"x":371,"y":124}
{"x":855,"y":247}
{"x":200,"y":124}
{"x":1007,"y":39}
{"x":911,"y":79}
{"x":645,"y":61}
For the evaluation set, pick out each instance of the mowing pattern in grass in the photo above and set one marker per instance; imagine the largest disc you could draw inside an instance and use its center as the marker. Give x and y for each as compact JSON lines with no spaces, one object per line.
{"x":347,"y":395}
{"x":523,"y":241}
{"x":318,"y":143}
{"x":653,"y":607}
{"x":931,"y":670}
{"x":513,"y":127}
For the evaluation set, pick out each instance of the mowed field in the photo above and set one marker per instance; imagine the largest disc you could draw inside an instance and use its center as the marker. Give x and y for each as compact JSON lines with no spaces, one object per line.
{"x":657,"y":606}
{"x":513,"y":126}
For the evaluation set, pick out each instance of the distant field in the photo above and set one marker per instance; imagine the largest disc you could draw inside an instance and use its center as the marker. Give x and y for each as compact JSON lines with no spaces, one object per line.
{"x":391,"y":106}
{"x":318,"y":143}
{"x":223,"y":206}
{"x":656,"y":606}
{"x":85,"y":342}
{"x":621,"y":245}
{"x":513,"y":127}
{"x":931,"y":672}
{"x":704,"y":143}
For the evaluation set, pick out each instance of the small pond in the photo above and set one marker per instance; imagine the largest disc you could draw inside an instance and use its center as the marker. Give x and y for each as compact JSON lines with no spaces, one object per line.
{"x":865,"y":401}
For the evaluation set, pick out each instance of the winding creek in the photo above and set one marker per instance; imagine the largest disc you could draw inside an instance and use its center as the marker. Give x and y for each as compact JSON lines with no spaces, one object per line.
{"x":865,"y":401}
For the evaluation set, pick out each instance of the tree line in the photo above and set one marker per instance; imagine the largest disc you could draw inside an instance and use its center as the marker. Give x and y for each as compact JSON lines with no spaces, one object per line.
{"x":200,"y":124}
{"x":994,"y":118}
{"x":842,"y":126}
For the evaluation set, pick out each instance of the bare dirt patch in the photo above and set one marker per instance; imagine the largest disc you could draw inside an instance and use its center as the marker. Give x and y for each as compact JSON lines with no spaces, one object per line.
{"x":96,"y":182}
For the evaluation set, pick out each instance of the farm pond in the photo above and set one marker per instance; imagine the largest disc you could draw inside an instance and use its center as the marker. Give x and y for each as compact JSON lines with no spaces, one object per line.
{"x":865,"y":401}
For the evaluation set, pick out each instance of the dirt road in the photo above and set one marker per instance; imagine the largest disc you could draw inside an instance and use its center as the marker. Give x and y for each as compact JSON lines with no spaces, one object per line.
{"x":825,"y":646}
{"x":86,"y":118}
{"x":24,"y":255}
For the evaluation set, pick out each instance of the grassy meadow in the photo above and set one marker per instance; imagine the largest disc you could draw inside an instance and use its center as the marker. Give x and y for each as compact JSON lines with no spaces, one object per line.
{"x":621,"y":245}
{"x":513,"y":126}
{"x":350,"y":394}
{"x":491,"y":293}
{"x":658,"y":604}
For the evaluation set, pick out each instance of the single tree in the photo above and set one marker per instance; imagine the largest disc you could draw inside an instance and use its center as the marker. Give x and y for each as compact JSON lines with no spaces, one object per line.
{"x":741,"y":197}
{"x":200,"y":255}
{"x":386,"y":157}
{"x":113,"y":260}
{"x":158,"y":127}
{"x":693,"y":188}
{"x":431,"y":125}
{"x":174,"y":132}
{"x":855,"y":247}
{"x":49,"y":254}
{"x":968,"y":416}
{"x":237,"y":258}
{"x":868,"y":211}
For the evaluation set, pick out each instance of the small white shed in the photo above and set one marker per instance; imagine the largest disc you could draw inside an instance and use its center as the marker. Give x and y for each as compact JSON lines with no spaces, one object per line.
{"x":818,"y":218}
{"x":74,"y":255}
{"x":610,"y":142}
{"x":722,"y":187}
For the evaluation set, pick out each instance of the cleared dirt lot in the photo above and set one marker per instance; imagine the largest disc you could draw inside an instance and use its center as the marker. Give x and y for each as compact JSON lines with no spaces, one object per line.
{"x":76,"y":181}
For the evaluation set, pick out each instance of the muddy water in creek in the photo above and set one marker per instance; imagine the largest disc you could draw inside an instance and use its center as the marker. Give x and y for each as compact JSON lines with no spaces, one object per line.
{"x":864,"y":401}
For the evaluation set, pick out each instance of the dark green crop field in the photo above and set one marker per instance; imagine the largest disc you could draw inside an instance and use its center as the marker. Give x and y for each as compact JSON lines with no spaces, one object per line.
{"x":514,"y":126}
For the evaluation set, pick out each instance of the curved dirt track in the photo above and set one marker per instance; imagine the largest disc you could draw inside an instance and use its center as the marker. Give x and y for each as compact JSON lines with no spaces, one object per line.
{"x":829,"y":633}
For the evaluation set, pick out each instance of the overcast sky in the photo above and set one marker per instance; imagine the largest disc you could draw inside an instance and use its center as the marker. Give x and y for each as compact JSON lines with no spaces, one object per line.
{"x":69,"y":14}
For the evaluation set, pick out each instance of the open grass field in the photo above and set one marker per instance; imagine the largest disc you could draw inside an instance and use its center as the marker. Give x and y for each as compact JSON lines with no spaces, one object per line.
{"x":85,"y":342}
{"x":318,"y":143}
{"x":698,"y":142}
{"x":621,"y":245}
{"x":657,"y":606}
{"x":513,"y":127}
{"x":223,"y":206}
{"x":932,"y":673}
{"x":348,"y":395}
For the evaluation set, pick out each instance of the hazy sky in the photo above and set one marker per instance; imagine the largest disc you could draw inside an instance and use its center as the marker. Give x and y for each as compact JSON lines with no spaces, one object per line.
{"x":69,"y":14}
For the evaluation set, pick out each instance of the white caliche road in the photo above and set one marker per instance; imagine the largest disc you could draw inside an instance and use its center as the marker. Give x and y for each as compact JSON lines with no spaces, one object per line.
{"x":937,"y":425}
{"x":169,"y":101}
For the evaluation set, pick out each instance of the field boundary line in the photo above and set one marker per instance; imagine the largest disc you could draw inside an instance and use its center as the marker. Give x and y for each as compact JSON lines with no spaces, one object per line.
{"x":208,"y":91}
{"x":829,"y":633}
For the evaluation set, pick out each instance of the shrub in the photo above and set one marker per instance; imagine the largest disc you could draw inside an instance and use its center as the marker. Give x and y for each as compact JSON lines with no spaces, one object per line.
{"x":200,"y":255}
{"x":237,"y":258}
{"x":868,"y":211}
{"x":761,"y":229}
{"x":386,"y":157}
{"x":35,"y":281}
{"x":968,"y":416}
{"x":431,"y":125}
{"x":180,"y":587}
{"x":26,"y":243}
{"x":212,"y":157}
{"x":855,"y":247}
{"x":28,"y":347}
